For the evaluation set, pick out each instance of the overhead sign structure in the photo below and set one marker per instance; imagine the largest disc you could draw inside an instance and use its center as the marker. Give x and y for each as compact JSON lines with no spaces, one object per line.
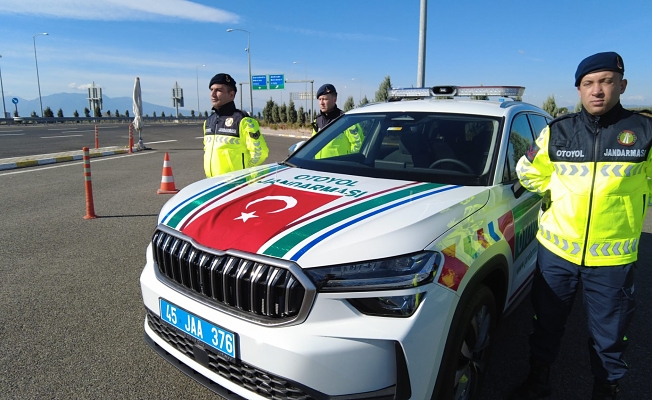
{"x":277,"y":81}
{"x":259,"y":82}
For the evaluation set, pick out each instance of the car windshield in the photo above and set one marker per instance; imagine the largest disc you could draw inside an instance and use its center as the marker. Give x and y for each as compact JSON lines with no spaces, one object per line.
{"x":419,"y":146}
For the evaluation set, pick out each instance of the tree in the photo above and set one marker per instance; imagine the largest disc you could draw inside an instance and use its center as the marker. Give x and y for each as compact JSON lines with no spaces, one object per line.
{"x":550,"y":106}
{"x":578,"y":106}
{"x":205,"y":114}
{"x":117,"y":113}
{"x":15,"y":113}
{"x":154,"y":114}
{"x":48,"y":113}
{"x":162,"y":114}
{"x":562,"y":111}
{"x":75,"y":114}
{"x":192,"y":113}
{"x":108,"y":113}
{"x":87,"y":112}
{"x":302,"y":116}
{"x":127,"y":113}
{"x":383,"y":90}
{"x":60,"y":113}
{"x":349,"y":104}
{"x":267,"y":111}
{"x":283,"y":113}
{"x":276,"y":118}
{"x":97,"y":112}
{"x":292,"y":113}
{"x":34,"y":115}
{"x":363,"y":101}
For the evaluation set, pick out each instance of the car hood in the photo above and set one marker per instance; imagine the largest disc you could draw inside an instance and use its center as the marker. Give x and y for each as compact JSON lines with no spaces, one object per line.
{"x":318,"y":218}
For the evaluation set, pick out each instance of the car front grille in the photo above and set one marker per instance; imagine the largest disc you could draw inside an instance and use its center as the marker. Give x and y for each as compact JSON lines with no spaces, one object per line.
{"x":253,"y":379}
{"x":255,"y":290}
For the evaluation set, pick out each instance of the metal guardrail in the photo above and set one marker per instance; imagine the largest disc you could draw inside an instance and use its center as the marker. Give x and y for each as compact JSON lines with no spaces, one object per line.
{"x":96,"y":120}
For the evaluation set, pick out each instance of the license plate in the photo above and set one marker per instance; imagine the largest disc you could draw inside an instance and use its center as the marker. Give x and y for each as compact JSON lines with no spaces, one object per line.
{"x":212,"y":335}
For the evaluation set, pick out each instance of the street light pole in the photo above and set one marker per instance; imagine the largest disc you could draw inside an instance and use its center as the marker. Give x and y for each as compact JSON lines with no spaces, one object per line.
{"x":251,"y":92}
{"x":197,"y":72}
{"x":37,"y":78}
{"x":306,"y":65}
{"x":4,"y":109}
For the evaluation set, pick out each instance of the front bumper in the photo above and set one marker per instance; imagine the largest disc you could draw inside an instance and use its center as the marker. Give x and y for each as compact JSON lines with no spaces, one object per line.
{"x":336,"y":353}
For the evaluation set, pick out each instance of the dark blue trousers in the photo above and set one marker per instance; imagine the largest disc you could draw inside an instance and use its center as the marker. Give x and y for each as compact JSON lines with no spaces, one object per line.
{"x":608,"y":296}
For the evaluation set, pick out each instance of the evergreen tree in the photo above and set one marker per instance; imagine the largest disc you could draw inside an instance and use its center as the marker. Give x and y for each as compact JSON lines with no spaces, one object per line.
{"x":267,"y":111}
{"x":60,"y":113}
{"x":34,"y":115}
{"x":154,"y":114}
{"x":162,"y":114}
{"x":562,"y":111}
{"x":349,"y":104}
{"x":97,"y":112}
{"x":117,"y":113}
{"x":192,"y":113}
{"x":205,"y":114}
{"x":75,"y":114}
{"x":48,"y":113}
{"x":383,"y":90}
{"x":292,"y":113}
{"x":87,"y":112}
{"x":301,"y":116}
{"x":578,"y":106}
{"x":363,"y":101}
{"x":127,"y":113}
{"x":283,"y":113}
{"x":276,"y":118}
{"x":550,"y":106}
{"x":108,"y":113}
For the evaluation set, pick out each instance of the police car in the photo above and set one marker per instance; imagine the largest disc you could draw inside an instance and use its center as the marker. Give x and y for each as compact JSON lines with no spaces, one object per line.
{"x":379,"y":272}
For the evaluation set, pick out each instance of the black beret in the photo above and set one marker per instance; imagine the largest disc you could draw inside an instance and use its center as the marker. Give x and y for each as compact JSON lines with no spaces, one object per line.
{"x":326,"y":88}
{"x":224,"y":79}
{"x":608,"y":61}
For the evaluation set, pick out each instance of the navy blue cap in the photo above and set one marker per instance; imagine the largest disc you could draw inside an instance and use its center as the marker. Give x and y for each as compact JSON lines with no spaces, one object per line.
{"x":224,"y":79}
{"x":326,"y":88}
{"x":608,"y":61}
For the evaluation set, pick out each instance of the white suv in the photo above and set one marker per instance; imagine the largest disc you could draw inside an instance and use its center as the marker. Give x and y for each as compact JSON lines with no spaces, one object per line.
{"x":378,"y":272}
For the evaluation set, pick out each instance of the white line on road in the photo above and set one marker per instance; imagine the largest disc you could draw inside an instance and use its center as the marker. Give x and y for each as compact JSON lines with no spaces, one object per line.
{"x":11,"y":134}
{"x":55,"y":137}
{"x":71,"y":163}
{"x":62,"y":129}
{"x":17,"y":130}
{"x":162,"y":141}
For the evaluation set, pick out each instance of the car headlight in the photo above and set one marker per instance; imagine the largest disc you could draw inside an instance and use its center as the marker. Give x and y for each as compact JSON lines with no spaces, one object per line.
{"x":390,"y":273}
{"x":393,"y":306}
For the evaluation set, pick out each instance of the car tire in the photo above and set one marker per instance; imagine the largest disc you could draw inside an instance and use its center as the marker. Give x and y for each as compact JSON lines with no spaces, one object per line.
{"x":467,"y":350}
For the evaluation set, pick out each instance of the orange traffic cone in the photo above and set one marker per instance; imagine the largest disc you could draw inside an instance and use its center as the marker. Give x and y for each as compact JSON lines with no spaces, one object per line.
{"x":167,"y":180}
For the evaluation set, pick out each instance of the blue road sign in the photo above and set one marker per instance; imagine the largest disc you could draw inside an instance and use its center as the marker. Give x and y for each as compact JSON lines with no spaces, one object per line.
{"x":259,"y":82}
{"x":277,"y":81}
{"x":14,"y":100}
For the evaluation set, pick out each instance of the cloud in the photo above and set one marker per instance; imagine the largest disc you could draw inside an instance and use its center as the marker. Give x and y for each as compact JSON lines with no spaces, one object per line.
{"x":118,"y":10}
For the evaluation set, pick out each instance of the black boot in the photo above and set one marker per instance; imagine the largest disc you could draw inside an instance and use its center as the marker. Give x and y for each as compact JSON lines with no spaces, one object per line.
{"x":605,"y":390}
{"x":536,"y":385}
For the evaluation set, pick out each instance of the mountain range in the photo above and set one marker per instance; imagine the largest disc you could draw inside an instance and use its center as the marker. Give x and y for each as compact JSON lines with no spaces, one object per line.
{"x":69,"y":102}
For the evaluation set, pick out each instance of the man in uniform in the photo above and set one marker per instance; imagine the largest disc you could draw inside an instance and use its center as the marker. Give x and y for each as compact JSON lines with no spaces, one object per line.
{"x":232,"y":139}
{"x":596,"y":165}
{"x":349,"y":141}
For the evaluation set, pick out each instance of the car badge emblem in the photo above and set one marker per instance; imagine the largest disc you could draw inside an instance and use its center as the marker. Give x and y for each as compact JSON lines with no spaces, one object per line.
{"x":627,"y":138}
{"x":228,"y":122}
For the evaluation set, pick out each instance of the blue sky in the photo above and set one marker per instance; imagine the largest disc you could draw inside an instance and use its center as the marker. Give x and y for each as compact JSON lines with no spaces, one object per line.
{"x":351,"y":44}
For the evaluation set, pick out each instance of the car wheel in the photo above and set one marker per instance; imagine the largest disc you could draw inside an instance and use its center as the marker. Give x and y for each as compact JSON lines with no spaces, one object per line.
{"x":467,"y":350}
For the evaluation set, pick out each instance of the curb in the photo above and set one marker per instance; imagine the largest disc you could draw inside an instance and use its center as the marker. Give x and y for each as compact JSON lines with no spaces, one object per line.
{"x":32,"y":161}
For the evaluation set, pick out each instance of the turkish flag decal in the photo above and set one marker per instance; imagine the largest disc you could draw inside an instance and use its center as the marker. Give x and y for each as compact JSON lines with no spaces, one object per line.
{"x":247,"y":222}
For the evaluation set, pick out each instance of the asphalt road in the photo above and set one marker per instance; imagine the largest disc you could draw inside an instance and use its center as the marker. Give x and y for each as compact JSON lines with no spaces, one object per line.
{"x":72,"y":315}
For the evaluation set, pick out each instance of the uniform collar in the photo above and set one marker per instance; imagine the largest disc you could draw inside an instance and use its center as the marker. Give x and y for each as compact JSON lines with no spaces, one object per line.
{"x":605,"y":119}
{"x":226,"y":109}
{"x":334,"y":113}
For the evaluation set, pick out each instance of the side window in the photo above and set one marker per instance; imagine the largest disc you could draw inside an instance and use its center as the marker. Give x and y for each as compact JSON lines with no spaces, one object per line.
{"x":538,"y":123}
{"x":520,"y":139}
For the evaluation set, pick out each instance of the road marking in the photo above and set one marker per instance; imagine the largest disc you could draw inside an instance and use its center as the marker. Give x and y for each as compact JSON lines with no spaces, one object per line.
{"x":72,"y":163}
{"x":11,"y":134}
{"x":162,"y":141}
{"x":19,"y":130}
{"x":63,"y":129}
{"x":56,"y":137}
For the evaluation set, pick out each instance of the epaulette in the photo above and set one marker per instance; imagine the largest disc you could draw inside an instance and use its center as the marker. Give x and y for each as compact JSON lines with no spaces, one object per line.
{"x":562,"y":117}
{"x":647,"y":113}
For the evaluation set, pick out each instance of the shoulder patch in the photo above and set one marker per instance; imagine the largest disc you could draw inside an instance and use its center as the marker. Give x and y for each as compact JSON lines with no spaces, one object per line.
{"x":254,"y":135}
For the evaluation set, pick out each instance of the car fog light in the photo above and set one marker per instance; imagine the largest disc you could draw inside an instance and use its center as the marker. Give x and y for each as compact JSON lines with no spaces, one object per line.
{"x":392,"y":306}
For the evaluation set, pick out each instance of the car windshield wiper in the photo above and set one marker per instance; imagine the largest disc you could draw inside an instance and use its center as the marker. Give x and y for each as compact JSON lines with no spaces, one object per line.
{"x":289,"y":164}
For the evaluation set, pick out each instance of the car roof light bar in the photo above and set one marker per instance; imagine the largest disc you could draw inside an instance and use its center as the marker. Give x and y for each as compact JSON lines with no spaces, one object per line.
{"x":451,"y":91}
{"x":410,"y":93}
{"x":503,"y":91}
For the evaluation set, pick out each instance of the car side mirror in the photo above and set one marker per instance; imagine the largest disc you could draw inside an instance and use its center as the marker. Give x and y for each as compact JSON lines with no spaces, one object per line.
{"x":518,"y":189}
{"x":295,"y":147}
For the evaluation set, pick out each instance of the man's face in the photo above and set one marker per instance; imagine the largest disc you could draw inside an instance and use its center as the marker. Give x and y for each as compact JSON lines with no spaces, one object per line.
{"x":600,"y":91}
{"x":327,"y":102}
{"x":221,"y":94}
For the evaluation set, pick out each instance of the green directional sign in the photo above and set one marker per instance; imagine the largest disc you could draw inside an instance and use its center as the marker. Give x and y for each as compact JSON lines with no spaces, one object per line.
{"x":259,"y":82}
{"x":277,"y":81}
